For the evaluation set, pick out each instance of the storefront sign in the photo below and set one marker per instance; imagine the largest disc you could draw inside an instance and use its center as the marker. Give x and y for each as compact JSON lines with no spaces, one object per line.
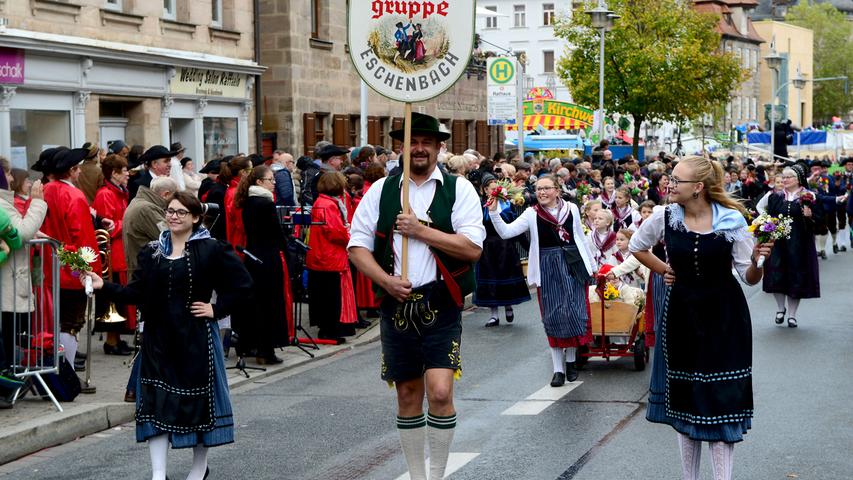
{"x":561,"y":109}
{"x":502,"y":91}
{"x":11,"y":65}
{"x":209,"y":83}
{"x":410,"y":51}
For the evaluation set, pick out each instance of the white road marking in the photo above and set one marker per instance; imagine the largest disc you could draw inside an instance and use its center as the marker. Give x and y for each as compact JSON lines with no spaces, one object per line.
{"x":455,"y":461}
{"x":538,"y":401}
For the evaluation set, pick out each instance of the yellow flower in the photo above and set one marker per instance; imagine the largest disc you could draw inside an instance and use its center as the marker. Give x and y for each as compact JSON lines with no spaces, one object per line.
{"x":752,"y":228}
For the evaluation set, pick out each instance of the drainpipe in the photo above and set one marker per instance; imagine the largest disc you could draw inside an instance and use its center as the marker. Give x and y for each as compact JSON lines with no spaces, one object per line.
{"x":258,"y":96}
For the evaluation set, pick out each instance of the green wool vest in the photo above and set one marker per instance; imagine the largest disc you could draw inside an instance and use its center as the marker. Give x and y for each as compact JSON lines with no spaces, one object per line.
{"x":457,"y":274}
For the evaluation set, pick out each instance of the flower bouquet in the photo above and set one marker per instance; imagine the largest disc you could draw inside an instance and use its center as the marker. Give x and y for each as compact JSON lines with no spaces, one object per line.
{"x":78,"y":260}
{"x":807,"y":199}
{"x":583,"y":190}
{"x":766,"y":228}
{"x":507,"y":192}
{"x":610,"y":292}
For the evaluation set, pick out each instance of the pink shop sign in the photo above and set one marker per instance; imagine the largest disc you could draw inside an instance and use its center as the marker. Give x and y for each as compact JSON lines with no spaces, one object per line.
{"x":11,"y":65}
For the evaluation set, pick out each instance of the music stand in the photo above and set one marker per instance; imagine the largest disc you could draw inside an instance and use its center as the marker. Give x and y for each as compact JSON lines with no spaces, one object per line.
{"x":290,"y":217}
{"x":241,"y":366}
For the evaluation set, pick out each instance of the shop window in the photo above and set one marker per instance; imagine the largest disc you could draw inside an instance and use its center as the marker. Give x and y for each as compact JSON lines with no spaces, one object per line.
{"x":220,"y":137}
{"x":35,"y":130}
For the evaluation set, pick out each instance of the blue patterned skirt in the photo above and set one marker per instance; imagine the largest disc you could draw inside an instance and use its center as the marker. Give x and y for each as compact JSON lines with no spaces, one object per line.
{"x":223,"y":430}
{"x":562,"y":297}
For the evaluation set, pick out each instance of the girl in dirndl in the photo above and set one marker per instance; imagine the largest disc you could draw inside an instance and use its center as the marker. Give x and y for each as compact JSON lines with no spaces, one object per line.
{"x":560,"y":265}
{"x":500,"y":278}
{"x":701,"y":381}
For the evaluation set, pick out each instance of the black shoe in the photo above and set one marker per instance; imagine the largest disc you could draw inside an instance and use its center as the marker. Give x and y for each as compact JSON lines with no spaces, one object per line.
{"x":780,"y":316}
{"x":792,"y":322}
{"x":371,"y":313}
{"x":130,"y":397}
{"x":493,"y":322}
{"x":822,"y":254}
{"x":842,"y":248}
{"x":206,"y":473}
{"x":835,"y":249}
{"x":571,"y":372}
{"x":79,"y":365}
{"x":363,"y":323}
{"x":121,"y":348}
{"x":510,"y":316}
{"x":558,"y":380}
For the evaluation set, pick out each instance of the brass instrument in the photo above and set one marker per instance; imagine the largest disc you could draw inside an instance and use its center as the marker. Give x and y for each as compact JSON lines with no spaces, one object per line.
{"x":102,"y":237}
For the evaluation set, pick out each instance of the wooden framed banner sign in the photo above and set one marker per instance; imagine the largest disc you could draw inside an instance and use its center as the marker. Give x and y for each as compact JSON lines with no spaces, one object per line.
{"x":410,"y":51}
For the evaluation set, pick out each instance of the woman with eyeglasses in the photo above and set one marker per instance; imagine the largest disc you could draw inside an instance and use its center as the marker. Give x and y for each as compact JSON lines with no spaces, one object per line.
{"x":182,"y":392}
{"x":560,"y":266}
{"x":792,"y":269}
{"x":268,"y":327}
{"x":701,"y":381}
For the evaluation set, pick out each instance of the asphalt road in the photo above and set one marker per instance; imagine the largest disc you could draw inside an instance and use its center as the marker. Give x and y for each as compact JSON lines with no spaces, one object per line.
{"x":334,"y":419}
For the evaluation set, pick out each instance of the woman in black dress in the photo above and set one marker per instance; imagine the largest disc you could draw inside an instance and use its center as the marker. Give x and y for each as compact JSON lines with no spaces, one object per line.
{"x":265,"y":241}
{"x":500,"y":278}
{"x":182,"y":391}
{"x":701,"y":381}
{"x":792,"y":269}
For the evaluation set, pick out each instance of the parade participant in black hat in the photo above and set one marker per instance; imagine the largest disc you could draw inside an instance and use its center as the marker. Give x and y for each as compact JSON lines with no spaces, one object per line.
{"x":792,"y":268}
{"x":421,"y":326}
{"x":118,"y":147}
{"x":210,"y":171}
{"x":70,"y":222}
{"x":332,"y":159}
{"x":45,"y":163}
{"x":157,"y":164}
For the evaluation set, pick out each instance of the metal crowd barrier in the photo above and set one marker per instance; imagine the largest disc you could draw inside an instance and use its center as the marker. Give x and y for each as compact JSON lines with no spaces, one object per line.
{"x":36,"y":345}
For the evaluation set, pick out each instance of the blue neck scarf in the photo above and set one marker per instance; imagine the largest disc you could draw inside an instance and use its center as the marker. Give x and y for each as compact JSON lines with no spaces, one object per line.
{"x":164,"y":245}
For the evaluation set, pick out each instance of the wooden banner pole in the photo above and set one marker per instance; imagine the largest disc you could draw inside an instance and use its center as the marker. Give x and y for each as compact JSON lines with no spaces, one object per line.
{"x":407,"y":166}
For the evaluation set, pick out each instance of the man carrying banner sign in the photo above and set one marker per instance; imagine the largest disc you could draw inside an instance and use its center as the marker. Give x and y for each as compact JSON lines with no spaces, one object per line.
{"x":417,"y":235}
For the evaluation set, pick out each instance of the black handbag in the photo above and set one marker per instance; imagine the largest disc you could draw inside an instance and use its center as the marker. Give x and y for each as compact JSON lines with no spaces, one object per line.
{"x":65,"y":385}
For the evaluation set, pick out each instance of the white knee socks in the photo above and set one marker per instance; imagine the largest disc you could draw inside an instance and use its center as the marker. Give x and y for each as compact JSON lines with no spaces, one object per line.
{"x":70,"y":343}
{"x":199,"y":463}
{"x":493,"y":312}
{"x":780,"y":301}
{"x":570,"y":354}
{"x":440,"y":434}
{"x":820,"y":242}
{"x":793,"y":305}
{"x":558,"y":356}
{"x":691,"y":454}
{"x":157,"y":448}
{"x":722,"y":459}
{"x":412,"y":440}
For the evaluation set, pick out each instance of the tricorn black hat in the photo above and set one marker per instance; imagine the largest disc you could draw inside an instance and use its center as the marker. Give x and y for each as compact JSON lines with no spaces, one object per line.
{"x":116,"y":146}
{"x":211,"y":166}
{"x":177,"y":147}
{"x":155,"y":153}
{"x":330,"y":151}
{"x":45,"y":162}
{"x":422,"y":125}
{"x":65,"y":159}
{"x":845,"y":161}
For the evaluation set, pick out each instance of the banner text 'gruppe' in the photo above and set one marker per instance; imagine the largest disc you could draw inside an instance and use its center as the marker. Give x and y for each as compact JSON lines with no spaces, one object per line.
{"x":408,"y":9}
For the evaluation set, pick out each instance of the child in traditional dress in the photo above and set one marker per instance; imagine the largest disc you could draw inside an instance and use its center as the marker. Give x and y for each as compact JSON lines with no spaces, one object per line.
{"x":602,"y":238}
{"x":624,"y":210}
{"x":627,"y":268}
{"x":645,"y":209}
{"x":608,"y":194}
{"x":590,"y":209}
{"x":627,"y":293}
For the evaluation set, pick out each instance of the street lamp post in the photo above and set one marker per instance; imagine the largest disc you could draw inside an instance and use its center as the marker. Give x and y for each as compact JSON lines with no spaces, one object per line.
{"x":601,"y":19}
{"x":799,"y":83}
{"x":774,"y":61}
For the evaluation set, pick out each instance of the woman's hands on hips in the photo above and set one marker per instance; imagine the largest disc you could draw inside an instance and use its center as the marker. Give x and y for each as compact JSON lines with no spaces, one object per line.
{"x":202,"y":310}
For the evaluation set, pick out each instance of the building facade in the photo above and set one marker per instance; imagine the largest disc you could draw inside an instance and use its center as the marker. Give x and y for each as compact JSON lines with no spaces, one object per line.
{"x":776,"y":9}
{"x":796,"y":47}
{"x":739,"y":37}
{"x":145,"y":72}
{"x":527,"y":27}
{"x":312,"y":92}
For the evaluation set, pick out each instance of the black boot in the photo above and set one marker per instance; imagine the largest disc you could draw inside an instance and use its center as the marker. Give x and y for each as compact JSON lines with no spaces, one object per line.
{"x":558,"y":380}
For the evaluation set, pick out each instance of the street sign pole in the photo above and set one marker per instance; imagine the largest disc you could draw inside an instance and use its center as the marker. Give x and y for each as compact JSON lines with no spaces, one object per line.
{"x":520,"y":121}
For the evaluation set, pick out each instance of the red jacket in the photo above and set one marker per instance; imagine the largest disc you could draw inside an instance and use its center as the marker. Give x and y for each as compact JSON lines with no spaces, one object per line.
{"x":235,"y":232}
{"x":111,"y":202}
{"x":69,"y":221}
{"x":328,"y":242}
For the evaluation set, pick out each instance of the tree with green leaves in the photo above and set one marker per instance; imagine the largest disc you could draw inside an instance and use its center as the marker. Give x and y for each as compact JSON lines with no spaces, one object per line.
{"x":833,"y":44}
{"x":662,"y":62}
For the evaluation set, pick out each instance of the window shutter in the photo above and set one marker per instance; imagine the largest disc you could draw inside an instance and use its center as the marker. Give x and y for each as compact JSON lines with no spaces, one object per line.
{"x":308,"y":126}
{"x":340,"y":129}
{"x":460,"y":137}
{"x":374,"y":136}
{"x":396,"y":124}
{"x":482,"y":131}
